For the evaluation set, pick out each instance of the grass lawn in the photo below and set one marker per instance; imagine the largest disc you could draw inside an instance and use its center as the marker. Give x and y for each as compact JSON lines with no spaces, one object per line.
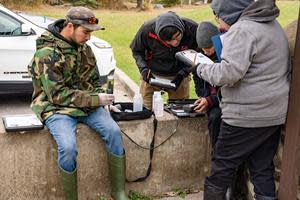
{"x":121,"y":27}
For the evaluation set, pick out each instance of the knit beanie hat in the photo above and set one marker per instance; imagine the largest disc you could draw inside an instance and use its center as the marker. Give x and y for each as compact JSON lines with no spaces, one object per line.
{"x":205,"y":31}
{"x":229,"y":10}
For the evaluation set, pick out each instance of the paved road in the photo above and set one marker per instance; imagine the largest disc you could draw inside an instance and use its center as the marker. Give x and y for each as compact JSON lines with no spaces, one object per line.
{"x":14,"y":104}
{"x":195,"y":196}
{"x":20,"y":103}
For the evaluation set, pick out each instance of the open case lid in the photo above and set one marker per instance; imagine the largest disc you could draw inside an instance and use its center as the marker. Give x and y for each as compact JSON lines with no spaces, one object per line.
{"x":175,"y":107}
{"x":21,"y":122}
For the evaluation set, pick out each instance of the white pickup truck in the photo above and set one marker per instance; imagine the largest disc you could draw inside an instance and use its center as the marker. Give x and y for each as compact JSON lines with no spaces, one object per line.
{"x":18,"y":34}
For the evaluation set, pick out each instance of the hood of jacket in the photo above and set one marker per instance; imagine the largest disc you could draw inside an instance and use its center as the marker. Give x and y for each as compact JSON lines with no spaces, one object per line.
{"x":168,"y":19}
{"x":230,"y":11}
{"x":52,"y":37}
{"x":261,"y":11}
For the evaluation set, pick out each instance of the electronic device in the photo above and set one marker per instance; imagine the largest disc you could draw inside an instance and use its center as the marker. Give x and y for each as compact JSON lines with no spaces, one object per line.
{"x":189,"y":108}
{"x":192,"y":58}
{"x":162,"y":83}
{"x":22,"y":122}
{"x":183,"y":108}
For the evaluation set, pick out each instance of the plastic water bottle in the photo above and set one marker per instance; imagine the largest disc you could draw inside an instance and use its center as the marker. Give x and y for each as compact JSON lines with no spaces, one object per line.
{"x":156,"y":93}
{"x":110,"y":84}
{"x":137,"y":102}
{"x":158,"y":106}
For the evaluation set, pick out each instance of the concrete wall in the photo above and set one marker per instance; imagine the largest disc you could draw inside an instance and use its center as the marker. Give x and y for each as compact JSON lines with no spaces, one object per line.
{"x":28,"y":162}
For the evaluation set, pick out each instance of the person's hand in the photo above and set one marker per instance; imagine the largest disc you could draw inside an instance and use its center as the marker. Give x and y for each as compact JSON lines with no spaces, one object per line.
{"x":106,"y":99}
{"x":114,"y":108}
{"x":193,"y":69}
{"x":202,"y":105}
{"x":177,"y":80}
{"x":146,"y":74}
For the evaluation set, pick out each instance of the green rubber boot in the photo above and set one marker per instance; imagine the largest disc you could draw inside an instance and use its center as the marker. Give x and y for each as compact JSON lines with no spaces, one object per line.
{"x":69,"y":181}
{"x":116,"y":167}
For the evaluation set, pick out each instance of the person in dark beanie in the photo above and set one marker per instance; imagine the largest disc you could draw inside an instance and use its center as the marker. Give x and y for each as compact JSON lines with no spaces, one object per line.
{"x":254,"y":77}
{"x":154,"y":47}
{"x":207,"y":94}
{"x":205,"y":31}
{"x":209,"y":101}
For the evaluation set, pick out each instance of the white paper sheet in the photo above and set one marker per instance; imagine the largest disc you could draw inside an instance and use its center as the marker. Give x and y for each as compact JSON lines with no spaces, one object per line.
{"x":200,"y":58}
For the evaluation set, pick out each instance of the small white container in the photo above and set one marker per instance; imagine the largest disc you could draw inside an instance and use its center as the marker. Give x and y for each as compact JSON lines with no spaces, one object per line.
{"x":158,"y":106}
{"x":155,"y":94}
{"x":137,"y":102}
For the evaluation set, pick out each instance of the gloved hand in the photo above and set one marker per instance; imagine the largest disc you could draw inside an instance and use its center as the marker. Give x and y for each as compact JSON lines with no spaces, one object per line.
{"x":180,"y":76}
{"x":146,"y":74}
{"x":178,"y":79}
{"x":106,"y":99}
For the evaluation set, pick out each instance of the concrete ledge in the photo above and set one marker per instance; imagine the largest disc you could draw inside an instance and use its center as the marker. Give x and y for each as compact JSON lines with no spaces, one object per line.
{"x":29,"y":161}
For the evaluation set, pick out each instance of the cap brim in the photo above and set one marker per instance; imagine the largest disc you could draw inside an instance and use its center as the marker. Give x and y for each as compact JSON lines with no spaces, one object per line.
{"x":93,"y":27}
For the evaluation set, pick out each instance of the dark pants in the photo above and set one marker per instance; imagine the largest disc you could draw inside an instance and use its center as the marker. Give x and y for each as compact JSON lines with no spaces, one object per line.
{"x":255,"y":146}
{"x":214,"y":122}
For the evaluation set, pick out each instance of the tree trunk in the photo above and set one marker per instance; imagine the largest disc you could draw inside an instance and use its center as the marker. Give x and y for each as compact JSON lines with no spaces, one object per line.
{"x":147,"y":4}
{"x":140,"y":4}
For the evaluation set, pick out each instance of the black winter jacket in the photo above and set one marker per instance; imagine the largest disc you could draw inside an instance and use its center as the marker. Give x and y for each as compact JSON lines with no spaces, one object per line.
{"x":150,"y":52}
{"x":204,"y":89}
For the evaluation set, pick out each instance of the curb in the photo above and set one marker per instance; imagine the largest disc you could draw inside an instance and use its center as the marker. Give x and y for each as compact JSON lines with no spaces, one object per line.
{"x":130,"y":86}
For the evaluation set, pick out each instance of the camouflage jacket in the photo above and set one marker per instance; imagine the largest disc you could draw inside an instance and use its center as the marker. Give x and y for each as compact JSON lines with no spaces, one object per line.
{"x":65,"y":78}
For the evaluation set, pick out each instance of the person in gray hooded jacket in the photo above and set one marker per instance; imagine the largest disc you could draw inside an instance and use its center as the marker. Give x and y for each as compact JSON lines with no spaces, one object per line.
{"x":254,"y":78}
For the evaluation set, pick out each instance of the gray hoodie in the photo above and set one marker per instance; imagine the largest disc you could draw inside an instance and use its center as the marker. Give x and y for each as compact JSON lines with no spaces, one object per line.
{"x":254,"y":71}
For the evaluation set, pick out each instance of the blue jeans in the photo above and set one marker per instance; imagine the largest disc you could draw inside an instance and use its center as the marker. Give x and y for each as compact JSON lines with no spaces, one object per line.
{"x":63,"y":129}
{"x":254,"y":146}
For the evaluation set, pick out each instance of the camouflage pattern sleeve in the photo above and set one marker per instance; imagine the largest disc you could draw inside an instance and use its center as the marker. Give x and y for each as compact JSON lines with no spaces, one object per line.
{"x":61,"y":86}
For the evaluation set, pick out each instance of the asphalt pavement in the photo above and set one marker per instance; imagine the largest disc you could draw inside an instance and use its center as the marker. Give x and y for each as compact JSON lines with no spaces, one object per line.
{"x":194,"y":196}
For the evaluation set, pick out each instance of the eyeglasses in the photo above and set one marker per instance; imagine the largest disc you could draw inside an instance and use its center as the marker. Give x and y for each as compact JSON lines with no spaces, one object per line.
{"x":217,"y":19}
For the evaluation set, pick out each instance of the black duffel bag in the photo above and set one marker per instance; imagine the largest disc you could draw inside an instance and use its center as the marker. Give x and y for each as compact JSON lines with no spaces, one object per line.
{"x":127,"y":116}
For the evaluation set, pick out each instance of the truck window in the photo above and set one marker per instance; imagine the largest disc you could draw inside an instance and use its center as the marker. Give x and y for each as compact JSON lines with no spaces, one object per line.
{"x":9,"y":26}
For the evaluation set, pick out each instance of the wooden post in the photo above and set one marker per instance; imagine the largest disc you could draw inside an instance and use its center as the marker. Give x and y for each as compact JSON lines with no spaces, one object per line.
{"x":291,"y":151}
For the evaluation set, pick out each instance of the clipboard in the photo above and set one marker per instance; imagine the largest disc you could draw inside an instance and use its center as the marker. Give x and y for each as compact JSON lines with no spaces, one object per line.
{"x":21,"y":122}
{"x":192,"y":58}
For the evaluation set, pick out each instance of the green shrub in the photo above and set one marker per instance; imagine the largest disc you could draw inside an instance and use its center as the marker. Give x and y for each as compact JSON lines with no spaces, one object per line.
{"x":19,"y":3}
{"x":168,"y":3}
{"x":87,"y":3}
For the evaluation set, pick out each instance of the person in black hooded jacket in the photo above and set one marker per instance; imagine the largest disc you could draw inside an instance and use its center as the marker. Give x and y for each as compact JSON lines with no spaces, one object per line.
{"x":154,"y":47}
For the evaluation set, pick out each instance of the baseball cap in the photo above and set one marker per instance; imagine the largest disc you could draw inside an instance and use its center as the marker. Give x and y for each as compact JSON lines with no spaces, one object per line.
{"x":84,"y":17}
